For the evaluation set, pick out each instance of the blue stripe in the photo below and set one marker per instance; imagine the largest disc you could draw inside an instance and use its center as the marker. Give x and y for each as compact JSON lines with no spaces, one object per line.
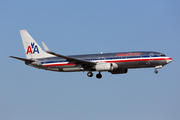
{"x":111,"y":58}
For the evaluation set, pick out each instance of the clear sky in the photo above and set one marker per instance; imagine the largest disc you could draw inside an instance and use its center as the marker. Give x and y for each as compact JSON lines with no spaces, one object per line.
{"x":72,"y":27}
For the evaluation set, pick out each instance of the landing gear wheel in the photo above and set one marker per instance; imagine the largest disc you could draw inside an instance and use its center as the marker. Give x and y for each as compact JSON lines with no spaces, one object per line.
{"x":89,"y":74}
{"x":155,"y":71}
{"x":99,"y":76}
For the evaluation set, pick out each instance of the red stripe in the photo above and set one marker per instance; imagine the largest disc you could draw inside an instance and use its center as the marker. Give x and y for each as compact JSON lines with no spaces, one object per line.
{"x":134,"y":60}
{"x":168,"y":58}
{"x":58,"y":65}
{"x":125,"y":60}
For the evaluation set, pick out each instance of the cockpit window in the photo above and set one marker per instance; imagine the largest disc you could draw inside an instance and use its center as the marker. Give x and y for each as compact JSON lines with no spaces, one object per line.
{"x":162,"y":55}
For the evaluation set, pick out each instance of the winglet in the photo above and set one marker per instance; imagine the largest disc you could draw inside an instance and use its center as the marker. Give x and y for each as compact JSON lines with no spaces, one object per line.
{"x":45,"y":47}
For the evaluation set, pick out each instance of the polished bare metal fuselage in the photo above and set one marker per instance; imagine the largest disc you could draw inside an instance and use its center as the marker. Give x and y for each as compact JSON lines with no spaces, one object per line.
{"x":124,"y":60}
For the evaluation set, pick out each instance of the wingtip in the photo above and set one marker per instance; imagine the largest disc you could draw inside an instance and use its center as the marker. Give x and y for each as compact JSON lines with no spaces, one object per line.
{"x":23,"y":30}
{"x":45,"y":47}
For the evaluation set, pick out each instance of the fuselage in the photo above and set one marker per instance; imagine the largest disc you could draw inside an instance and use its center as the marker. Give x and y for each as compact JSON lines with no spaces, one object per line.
{"x":122,"y":60}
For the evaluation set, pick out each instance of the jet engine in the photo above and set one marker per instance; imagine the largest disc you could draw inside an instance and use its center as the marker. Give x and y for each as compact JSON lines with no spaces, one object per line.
{"x":106,"y":66}
{"x":119,"y":71}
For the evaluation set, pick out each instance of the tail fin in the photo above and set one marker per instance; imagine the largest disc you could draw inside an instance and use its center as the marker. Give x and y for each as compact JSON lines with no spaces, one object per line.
{"x":32,"y":49}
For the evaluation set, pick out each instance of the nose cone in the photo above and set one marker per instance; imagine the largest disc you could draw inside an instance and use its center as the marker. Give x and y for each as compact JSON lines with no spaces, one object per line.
{"x":168,"y":60}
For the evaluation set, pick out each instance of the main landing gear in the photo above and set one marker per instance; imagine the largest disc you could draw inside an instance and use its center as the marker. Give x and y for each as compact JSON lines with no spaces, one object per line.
{"x":99,"y":76}
{"x":90,"y":74}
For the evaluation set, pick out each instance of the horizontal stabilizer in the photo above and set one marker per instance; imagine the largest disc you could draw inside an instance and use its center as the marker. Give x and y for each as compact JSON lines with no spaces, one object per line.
{"x":22,"y":59}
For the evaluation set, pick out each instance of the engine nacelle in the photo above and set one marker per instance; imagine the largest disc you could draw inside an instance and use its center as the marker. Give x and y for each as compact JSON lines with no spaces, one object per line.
{"x":106,"y":66}
{"x":119,"y":71}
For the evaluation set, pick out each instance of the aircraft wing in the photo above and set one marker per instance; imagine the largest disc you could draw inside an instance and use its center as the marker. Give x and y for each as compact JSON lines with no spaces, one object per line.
{"x":69,"y":59}
{"x":73,"y":60}
{"x":22,"y":59}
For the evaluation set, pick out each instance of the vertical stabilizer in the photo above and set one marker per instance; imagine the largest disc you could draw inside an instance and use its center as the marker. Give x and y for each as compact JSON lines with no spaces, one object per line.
{"x":32,"y":49}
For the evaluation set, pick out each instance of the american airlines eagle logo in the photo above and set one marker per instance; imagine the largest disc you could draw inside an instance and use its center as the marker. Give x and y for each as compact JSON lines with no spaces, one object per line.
{"x":32,"y":49}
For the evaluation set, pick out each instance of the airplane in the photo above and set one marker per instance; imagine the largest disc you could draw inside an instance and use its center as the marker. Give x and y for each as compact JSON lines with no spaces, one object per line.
{"x":115,"y":63}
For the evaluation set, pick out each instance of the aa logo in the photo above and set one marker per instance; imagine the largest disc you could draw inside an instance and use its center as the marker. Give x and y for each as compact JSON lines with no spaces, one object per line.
{"x":32,"y":47}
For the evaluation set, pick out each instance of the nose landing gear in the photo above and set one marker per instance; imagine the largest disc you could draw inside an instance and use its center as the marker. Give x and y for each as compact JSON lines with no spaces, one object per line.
{"x":157,"y":67}
{"x":155,"y":71}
